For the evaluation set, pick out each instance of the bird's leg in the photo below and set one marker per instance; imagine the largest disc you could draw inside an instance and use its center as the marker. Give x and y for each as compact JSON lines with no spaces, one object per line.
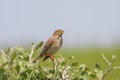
{"x":52,"y":58}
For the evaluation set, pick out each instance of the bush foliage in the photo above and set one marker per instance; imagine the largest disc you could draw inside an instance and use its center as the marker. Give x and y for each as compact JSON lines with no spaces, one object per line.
{"x":16,"y":64}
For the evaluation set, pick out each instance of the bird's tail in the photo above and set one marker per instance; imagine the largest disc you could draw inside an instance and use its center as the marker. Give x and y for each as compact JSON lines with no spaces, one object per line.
{"x":46,"y":57}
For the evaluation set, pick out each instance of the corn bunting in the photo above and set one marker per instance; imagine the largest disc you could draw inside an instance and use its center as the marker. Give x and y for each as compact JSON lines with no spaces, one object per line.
{"x":51,"y":46}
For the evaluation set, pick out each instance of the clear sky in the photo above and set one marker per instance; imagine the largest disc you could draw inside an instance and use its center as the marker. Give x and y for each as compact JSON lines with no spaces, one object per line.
{"x":84,"y":21}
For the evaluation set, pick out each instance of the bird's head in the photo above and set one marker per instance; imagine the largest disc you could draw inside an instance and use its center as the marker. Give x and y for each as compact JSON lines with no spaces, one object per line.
{"x":58,"y":32}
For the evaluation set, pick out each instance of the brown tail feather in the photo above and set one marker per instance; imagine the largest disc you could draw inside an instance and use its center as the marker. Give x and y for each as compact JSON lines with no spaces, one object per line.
{"x":46,"y":57}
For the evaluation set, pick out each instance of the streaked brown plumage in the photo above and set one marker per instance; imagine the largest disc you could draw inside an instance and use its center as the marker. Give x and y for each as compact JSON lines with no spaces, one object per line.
{"x":51,"y":46}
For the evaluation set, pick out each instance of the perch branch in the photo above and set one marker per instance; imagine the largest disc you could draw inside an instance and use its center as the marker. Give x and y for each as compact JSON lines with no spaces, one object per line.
{"x":109,"y":65}
{"x":32,"y":51}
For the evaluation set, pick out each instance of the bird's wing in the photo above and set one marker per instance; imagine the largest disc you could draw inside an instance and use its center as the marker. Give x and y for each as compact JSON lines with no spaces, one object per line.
{"x":47,"y":46}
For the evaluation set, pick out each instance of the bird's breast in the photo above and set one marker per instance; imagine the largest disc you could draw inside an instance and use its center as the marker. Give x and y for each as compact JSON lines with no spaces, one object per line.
{"x":55,"y":46}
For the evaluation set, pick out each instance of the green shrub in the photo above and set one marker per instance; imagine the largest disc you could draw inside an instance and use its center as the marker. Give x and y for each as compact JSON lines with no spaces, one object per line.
{"x":16,"y":64}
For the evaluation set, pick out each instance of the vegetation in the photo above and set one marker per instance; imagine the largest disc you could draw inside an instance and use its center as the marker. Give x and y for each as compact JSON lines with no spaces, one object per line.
{"x":16,"y":64}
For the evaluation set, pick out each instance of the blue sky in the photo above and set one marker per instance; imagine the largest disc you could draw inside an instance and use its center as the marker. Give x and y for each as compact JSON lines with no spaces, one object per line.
{"x":84,"y":21}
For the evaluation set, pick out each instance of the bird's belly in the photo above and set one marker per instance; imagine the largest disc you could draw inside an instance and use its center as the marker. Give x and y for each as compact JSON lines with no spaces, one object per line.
{"x":54,"y":48}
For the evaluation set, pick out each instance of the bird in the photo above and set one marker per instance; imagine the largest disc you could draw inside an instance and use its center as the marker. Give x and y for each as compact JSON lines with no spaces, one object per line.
{"x":52,"y":45}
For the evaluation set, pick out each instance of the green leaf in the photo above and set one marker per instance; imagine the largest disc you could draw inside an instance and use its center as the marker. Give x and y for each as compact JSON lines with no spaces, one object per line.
{"x":17,"y":68}
{"x":5,"y":64}
{"x":2,"y":70}
{"x":8,"y":50}
{"x":3,"y":56}
{"x":92,"y":75}
{"x":5,"y":77}
{"x":98,"y":71}
{"x":52,"y":71}
{"x":71,"y":57}
{"x":99,"y":74}
{"x":97,"y":66}
{"x":21,"y":52}
{"x":83,"y":73}
{"x":38,"y":46}
{"x":26,"y":58}
{"x":76,"y":78}
{"x":23,"y":75}
{"x":19,"y":48}
{"x":29,"y":70}
{"x":83,"y":67}
{"x":13,"y":56}
{"x":63,"y":63}
{"x":74,"y":64}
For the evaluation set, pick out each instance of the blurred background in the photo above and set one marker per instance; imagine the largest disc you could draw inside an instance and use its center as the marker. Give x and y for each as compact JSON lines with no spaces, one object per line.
{"x":85,"y":22}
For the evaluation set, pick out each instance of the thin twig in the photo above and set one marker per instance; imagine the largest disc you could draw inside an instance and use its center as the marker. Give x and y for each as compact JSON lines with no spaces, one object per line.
{"x":116,"y":68}
{"x":105,"y":58}
{"x":32,"y":51}
{"x":106,"y":72}
{"x":109,"y":66}
{"x":55,"y":68}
